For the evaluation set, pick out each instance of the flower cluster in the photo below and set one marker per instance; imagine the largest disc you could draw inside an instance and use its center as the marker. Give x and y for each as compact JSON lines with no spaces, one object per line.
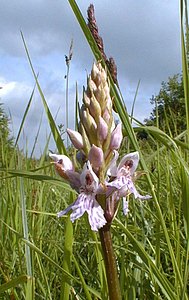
{"x":102,"y":182}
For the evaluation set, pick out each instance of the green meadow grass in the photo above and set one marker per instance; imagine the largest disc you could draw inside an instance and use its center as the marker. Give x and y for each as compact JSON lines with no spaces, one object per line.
{"x":42,"y":257}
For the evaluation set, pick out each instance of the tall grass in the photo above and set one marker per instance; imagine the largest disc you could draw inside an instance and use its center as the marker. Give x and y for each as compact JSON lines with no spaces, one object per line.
{"x":43,"y":257}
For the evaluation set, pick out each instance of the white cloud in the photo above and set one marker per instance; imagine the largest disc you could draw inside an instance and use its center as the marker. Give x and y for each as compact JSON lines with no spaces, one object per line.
{"x":16,"y":95}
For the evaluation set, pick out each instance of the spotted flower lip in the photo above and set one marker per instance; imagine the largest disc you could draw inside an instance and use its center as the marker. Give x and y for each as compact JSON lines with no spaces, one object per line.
{"x":86,"y":201}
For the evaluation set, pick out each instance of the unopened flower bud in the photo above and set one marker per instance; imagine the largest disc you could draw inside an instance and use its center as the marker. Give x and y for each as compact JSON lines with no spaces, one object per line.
{"x":90,"y":125}
{"x":86,"y":99}
{"x":104,"y":76}
{"x":86,"y":141}
{"x":106,"y":90}
{"x":91,"y":85}
{"x":94,"y":72}
{"x":116,"y":137}
{"x":109,"y":102}
{"x":102,"y":130}
{"x":87,"y":120}
{"x":106,"y":116}
{"x":102,"y":99}
{"x":94,"y":108}
{"x":75,"y":138}
{"x":96,"y":157}
{"x":98,"y":80}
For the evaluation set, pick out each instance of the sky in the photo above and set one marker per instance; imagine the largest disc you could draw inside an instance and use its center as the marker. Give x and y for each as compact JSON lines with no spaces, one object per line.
{"x":143,"y":36}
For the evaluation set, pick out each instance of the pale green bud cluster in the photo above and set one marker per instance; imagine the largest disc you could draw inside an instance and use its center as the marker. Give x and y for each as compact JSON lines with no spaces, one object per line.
{"x":96,"y":111}
{"x":98,"y":136}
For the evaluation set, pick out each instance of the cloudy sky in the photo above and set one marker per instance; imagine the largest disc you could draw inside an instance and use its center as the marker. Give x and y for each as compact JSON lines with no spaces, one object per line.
{"x":143,"y":36}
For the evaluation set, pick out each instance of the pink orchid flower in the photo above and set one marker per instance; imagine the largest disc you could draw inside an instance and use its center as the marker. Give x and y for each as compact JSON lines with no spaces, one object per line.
{"x":88,"y":189}
{"x":122,"y":185}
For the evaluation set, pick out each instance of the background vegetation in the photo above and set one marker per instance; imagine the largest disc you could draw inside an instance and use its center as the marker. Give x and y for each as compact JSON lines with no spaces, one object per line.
{"x":42,"y":257}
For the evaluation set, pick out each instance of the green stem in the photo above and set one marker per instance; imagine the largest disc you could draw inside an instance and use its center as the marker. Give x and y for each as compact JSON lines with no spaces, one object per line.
{"x":110,"y":263}
{"x":67,"y":97}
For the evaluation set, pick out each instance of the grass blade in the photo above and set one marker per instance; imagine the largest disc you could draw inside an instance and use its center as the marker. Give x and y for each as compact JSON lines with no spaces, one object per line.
{"x":55,"y":132}
{"x":166,"y":287}
{"x":24,"y":117}
{"x":13,"y":283}
{"x":68,"y":244}
{"x":184,"y":59}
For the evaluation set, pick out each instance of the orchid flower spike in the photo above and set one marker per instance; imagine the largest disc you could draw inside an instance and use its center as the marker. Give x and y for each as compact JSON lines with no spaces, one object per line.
{"x":101,"y":180}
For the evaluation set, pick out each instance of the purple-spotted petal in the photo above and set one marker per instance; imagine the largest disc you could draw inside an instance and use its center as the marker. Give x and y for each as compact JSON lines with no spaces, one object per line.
{"x":125,"y":185}
{"x":119,"y":182}
{"x":136,"y":194}
{"x":96,"y":216}
{"x":87,"y":203}
{"x":65,"y":211}
{"x":125,"y":206}
{"x":80,"y":206}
